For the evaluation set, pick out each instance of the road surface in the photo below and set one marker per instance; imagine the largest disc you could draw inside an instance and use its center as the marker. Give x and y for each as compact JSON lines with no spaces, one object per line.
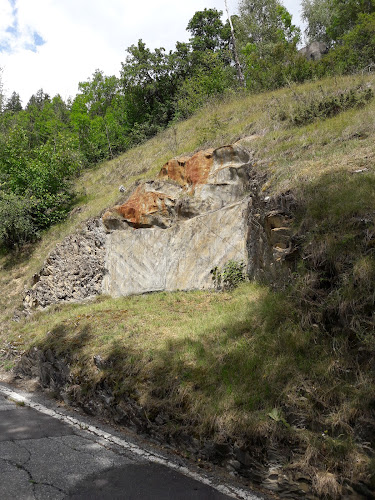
{"x":46,"y":454}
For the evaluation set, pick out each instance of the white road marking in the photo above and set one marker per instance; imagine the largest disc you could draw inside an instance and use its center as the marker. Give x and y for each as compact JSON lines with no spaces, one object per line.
{"x":232,"y":491}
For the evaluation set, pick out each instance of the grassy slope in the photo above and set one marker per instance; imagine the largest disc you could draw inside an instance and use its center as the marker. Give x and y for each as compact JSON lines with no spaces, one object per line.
{"x":252,"y":363}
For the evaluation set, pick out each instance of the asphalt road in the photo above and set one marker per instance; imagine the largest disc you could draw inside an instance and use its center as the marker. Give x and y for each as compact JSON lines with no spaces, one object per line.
{"x":47,"y":457}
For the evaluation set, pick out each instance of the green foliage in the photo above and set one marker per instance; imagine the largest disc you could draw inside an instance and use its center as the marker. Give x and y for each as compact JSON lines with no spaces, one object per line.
{"x":268,"y":42}
{"x":208,"y":31}
{"x":317,"y":14}
{"x":16,"y":221}
{"x":41,"y":176}
{"x":264,"y":23}
{"x":356,"y":49}
{"x":321,"y":105}
{"x":149,"y":86}
{"x":330,"y":20}
{"x":211,"y":79}
{"x":346,"y":14}
{"x":13,"y":104}
{"x":230,"y":276}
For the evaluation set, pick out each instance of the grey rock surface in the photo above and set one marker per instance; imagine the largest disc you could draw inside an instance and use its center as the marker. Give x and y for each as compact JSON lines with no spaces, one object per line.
{"x":314,"y":51}
{"x":172,"y":235}
{"x":178,"y":258}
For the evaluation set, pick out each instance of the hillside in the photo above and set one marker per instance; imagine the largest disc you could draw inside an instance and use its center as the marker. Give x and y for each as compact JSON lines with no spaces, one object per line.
{"x":280,"y":372}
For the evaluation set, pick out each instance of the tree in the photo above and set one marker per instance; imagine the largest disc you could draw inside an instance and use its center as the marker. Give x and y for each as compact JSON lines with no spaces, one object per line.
{"x":149,"y":86}
{"x":345,"y":14}
{"x":317,"y":14}
{"x":38,"y":100}
{"x":1,"y":90}
{"x":13,"y":103}
{"x":259,"y":21}
{"x":268,"y":41}
{"x":208,"y":32}
{"x":234,"y":48}
{"x":99,"y":92}
{"x":356,"y":48}
{"x":329,"y":20}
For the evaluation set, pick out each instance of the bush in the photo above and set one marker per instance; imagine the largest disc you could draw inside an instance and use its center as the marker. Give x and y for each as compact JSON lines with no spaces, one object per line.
{"x":356,"y":49}
{"x":230,"y":276}
{"x":16,"y":224}
{"x":321,"y":105}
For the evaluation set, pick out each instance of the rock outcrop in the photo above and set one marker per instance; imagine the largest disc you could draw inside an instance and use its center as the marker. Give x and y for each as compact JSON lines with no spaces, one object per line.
{"x":199,"y":213}
{"x":172,"y":231}
{"x":314,"y":51}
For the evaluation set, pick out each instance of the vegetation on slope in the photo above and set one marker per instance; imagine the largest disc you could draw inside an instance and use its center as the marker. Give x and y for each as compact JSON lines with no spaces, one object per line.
{"x":289,"y":364}
{"x":45,"y":146}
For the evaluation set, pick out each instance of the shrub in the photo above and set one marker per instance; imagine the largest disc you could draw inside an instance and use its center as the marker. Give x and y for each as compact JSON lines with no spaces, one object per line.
{"x":16,"y":224}
{"x":355,"y":50}
{"x":229,"y":276}
{"x":321,"y":105}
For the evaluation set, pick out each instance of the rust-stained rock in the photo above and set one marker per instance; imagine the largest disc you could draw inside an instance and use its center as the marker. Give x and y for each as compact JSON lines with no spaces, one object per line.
{"x":143,"y":208}
{"x":189,"y":171}
{"x":187,"y":221}
{"x":185,"y":188}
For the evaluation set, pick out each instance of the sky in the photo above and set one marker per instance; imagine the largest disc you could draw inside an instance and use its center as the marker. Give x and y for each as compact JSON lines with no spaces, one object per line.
{"x":55,"y":44}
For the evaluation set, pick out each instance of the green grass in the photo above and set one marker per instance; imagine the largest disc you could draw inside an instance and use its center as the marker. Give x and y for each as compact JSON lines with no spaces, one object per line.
{"x":252,"y":364}
{"x":234,"y":365}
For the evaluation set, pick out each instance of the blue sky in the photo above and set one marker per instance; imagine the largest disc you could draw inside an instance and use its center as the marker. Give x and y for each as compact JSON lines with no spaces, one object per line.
{"x":12,"y":37}
{"x":55,"y":44}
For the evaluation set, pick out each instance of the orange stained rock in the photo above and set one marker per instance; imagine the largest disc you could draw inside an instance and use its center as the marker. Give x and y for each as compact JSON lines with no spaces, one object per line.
{"x":189,"y":171}
{"x":141,"y":204}
{"x":174,"y":170}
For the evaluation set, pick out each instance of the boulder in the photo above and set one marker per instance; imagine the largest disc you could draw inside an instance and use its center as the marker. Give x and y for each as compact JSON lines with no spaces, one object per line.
{"x":314,"y":51}
{"x":197,"y":214}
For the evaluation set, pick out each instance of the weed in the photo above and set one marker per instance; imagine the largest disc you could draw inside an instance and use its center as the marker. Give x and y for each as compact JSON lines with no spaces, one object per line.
{"x":229,"y":276}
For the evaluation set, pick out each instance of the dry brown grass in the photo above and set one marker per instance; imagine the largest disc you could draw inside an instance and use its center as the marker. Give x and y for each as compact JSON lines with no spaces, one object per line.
{"x":326,"y":486}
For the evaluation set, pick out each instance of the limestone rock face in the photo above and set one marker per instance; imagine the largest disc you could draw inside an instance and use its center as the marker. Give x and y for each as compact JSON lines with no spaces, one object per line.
{"x":178,"y":258}
{"x":172,"y":231}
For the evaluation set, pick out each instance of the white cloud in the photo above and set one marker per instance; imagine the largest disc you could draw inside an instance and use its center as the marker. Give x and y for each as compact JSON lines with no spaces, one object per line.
{"x":83,"y":35}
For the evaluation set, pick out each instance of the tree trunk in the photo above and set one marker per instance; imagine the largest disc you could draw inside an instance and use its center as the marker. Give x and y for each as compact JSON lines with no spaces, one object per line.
{"x":236,"y":59}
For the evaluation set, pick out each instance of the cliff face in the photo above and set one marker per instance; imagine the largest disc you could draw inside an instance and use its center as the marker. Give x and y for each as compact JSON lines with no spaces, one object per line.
{"x":199,"y":213}
{"x":172,"y":231}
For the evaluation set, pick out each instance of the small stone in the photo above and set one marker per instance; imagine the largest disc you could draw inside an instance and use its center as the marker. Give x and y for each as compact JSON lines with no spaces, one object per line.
{"x":234,"y":464}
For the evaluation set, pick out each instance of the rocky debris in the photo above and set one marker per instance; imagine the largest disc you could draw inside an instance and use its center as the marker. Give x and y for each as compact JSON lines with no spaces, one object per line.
{"x":271,"y":245}
{"x":73,"y":272}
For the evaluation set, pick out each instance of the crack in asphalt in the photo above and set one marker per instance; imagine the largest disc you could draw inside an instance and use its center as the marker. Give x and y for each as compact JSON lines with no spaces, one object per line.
{"x":22,"y":466}
{"x":23,"y":447}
